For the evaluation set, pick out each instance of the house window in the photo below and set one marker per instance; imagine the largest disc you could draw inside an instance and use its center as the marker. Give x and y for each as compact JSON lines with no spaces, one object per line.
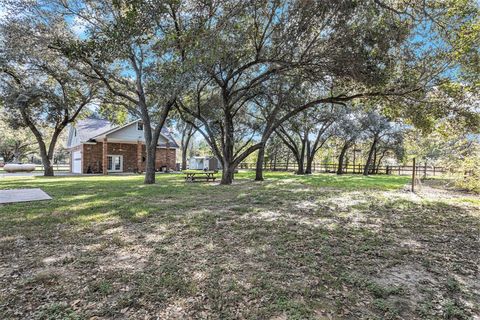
{"x":115,"y":163}
{"x":140,"y":126}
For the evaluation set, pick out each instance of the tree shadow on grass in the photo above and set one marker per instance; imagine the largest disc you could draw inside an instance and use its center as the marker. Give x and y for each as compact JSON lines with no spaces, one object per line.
{"x":245,"y":251}
{"x":256,"y":268}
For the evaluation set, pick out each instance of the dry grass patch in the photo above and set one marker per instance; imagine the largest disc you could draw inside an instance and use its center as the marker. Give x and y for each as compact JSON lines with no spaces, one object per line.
{"x":287,"y":248}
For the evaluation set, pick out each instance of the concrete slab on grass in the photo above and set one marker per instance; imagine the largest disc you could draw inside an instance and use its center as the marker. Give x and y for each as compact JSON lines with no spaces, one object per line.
{"x":22,"y":195}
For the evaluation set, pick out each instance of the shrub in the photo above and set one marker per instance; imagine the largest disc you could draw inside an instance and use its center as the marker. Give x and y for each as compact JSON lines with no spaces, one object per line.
{"x":470,"y":174}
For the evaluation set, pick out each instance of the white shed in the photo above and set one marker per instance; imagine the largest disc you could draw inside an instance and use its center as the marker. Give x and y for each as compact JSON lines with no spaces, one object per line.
{"x":204,"y":163}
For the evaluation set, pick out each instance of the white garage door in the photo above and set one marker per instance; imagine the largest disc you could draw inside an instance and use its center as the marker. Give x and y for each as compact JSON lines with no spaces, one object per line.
{"x":77,"y":162}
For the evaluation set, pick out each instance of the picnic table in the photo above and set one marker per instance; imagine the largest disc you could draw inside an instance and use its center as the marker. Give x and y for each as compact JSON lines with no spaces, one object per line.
{"x":191,"y":176}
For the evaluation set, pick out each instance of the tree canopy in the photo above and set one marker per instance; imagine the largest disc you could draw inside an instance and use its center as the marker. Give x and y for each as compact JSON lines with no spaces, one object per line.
{"x":41,"y":89}
{"x":238,"y":71}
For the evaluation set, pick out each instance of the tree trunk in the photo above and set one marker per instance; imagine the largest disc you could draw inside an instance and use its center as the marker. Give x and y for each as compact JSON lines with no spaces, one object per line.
{"x":300,"y":169}
{"x":228,"y":146}
{"x":260,"y":160}
{"x":380,"y":161}
{"x":47,"y":166}
{"x":227,"y":174}
{"x":308,"y":168}
{"x":44,"y":154}
{"x":150,"y":164}
{"x":150,"y":150}
{"x":310,"y":158}
{"x":184,"y":160}
{"x":187,"y":135}
{"x":308,"y":151}
{"x":16,"y":156}
{"x":275,"y":161}
{"x":366,"y":169}
{"x":312,"y":151}
{"x":374,"y":162}
{"x":151,"y":139}
{"x":47,"y":156}
{"x":341,"y":158}
{"x":301,"y":158}
{"x":46,"y":161}
{"x":7,"y":156}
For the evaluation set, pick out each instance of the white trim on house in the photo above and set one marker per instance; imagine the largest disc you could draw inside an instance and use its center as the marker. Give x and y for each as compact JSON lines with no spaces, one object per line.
{"x":112,"y":140}
{"x":127,"y":133}
{"x":109,"y":132}
{"x":77,"y":162}
{"x":104,"y":134}
{"x":72,"y":139}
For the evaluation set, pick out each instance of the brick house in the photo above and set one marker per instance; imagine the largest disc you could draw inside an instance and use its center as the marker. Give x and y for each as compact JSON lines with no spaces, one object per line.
{"x":97,"y":146}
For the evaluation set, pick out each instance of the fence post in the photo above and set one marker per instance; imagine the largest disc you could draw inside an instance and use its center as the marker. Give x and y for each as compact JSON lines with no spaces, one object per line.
{"x":413,"y":175}
{"x":425,"y":170}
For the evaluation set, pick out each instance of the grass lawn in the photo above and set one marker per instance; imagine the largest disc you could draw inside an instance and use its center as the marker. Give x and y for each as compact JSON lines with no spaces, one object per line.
{"x":291,"y":247}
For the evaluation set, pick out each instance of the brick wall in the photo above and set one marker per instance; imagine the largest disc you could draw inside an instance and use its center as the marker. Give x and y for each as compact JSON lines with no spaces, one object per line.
{"x":161,"y":158}
{"x":165,"y":158}
{"x":129,"y":153}
{"x":92,"y":157}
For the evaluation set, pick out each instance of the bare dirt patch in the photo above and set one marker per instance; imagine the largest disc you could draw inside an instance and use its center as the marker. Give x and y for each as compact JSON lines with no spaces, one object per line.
{"x":278,"y":249}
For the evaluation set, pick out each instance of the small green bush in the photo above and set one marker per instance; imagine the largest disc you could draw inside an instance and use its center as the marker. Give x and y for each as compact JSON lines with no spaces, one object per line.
{"x":470,"y":177}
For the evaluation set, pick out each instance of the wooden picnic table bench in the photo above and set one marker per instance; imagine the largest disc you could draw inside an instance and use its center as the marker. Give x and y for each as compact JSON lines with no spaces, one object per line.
{"x":191,"y":176}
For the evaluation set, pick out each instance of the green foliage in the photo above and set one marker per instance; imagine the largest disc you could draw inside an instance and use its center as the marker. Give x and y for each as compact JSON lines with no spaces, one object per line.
{"x":57,"y":311}
{"x":102,"y":287}
{"x":452,"y":146}
{"x":470,"y":167}
{"x":466,"y":39}
{"x":454,"y":310}
{"x":15,"y":144}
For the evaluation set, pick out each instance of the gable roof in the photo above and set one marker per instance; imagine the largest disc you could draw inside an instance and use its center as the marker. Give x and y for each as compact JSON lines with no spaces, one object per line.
{"x":171,"y":140}
{"x":90,"y":128}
